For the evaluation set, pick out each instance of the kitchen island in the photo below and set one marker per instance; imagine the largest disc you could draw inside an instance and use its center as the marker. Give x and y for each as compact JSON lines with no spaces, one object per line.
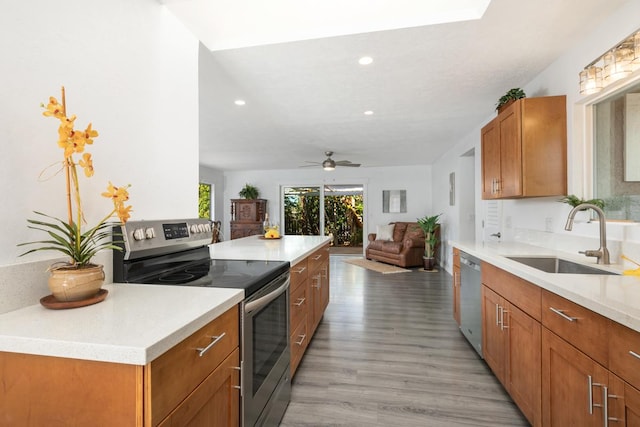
{"x":309,"y":289}
{"x":122,"y":361}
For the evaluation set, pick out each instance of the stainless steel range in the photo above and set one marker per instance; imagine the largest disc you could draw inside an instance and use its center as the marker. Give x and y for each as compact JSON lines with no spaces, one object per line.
{"x":176,"y":252}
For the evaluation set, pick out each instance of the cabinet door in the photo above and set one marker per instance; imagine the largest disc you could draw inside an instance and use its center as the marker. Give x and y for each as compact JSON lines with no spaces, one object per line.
{"x":324,"y":288}
{"x":315,"y":284}
{"x":215,"y":402}
{"x":510,"y":151}
{"x":631,"y":415}
{"x":490,"y":159}
{"x":523,"y":362}
{"x":493,"y":338}
{"x":456,"y":294}
{"x":567,"y":374}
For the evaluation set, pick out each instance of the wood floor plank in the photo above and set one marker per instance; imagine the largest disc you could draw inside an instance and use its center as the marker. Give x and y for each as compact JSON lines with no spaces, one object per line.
{"x":388,"y":353}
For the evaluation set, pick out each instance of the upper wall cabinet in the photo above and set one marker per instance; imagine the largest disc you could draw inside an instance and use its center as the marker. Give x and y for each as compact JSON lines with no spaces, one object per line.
{"x":524,"y":150}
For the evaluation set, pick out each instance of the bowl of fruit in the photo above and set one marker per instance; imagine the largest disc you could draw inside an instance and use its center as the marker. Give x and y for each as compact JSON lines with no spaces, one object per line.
{"x":272,"y":232}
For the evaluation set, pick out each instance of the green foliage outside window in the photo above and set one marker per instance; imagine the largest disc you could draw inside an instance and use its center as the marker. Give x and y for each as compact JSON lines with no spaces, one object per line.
{"x":204,"y":201}
{"x":343,"y":217}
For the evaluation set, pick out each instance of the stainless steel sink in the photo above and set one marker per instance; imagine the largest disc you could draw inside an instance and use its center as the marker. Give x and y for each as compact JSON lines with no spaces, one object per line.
{"x":558,"y":265}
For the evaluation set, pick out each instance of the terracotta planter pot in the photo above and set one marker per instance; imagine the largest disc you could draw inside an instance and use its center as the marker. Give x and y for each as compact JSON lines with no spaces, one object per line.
{"x":74,"y":284}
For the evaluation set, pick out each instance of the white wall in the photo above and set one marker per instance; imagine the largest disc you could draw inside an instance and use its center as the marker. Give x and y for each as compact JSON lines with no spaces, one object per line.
{"x":528,"y":218}
{"x":416,"y":180}
{"x":131,"y":69}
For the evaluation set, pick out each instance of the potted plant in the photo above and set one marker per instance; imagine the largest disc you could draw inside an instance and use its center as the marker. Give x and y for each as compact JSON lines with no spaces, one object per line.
{"x":509,"y":98}
{"x":78,"y":278}
{"x":573,"y":201}
{"x":249,"y":192}
{"x":429,"y":225}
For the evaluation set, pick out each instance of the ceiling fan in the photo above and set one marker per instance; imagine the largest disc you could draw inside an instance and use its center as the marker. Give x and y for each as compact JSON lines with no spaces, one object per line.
{"x":329,"y":164}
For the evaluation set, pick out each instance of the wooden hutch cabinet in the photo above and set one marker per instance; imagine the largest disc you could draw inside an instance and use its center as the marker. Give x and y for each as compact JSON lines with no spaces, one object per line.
{"x":247,"y":217}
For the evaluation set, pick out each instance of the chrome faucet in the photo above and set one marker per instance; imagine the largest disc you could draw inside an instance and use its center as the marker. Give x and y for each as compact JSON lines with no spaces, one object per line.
{"x":602,"y":254}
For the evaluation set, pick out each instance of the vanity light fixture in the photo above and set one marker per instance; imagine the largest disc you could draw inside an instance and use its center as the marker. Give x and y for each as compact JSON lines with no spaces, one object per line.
{"x":591,"y":80}
{"x":365,"y":60}
{"x":239,"y":102}
{"x":616,"y":64}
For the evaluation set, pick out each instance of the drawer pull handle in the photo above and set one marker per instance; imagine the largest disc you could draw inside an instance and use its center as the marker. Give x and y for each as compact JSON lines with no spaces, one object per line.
{"x":502,"y":325}
{"x":634,"y":354}
{"x":302,"y":338}
{"x":300,"y":270}
{"x":317,"y":257}
{"x":561,"y":314}
{"x":215,"y":341}
{"x":300,"y":302}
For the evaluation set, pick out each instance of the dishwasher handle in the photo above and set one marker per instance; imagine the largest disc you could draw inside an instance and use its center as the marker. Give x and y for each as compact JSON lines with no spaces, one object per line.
{"x":470,"y":263}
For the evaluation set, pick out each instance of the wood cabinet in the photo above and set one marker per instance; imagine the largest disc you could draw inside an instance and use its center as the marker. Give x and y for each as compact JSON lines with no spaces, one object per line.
{"x":511,"y":338}
{"x":572,"y":385}
{"x":247,"y":217}
{"x":299,"y":311}
{"x":178,"y":388}
{"x":524,"y":150}
{"x":562,"y":364}
{"x":170,"y":380}
{"x":309,"y":299}
{"x":318,"y":286}
{"x":456,"y":285}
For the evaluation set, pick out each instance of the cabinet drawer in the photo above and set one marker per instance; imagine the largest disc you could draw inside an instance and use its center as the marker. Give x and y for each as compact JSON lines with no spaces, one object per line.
{"x":299,"y":340}
{"x":299,"y":305}
{"x":579,"y":326}
{"x":215,"y":402}
{"x":519,"y":292}
{"x":317,"y":258}
{"x":299,"y":273}
{"x":171,"y":377}
{"x":624,"y":353}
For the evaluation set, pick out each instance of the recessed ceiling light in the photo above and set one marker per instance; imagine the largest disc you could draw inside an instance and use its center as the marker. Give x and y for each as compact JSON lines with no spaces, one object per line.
{"x":365,"y":60}
{"x":368,"y":113}
{"x":239,"y":102}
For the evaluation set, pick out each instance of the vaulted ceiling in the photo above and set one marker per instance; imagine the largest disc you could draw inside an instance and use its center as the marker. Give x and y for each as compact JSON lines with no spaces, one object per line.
{"x":430,"y":82}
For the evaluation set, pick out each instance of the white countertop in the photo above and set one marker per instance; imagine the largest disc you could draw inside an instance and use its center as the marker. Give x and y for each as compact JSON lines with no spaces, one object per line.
{"x":615,"y":297}
{"x":134,"y":325}
{"x":137,"y":323}
{"x":288,"y":248}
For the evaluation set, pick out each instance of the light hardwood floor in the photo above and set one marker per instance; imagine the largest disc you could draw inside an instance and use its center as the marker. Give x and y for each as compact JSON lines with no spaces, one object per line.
{"x":388,"y":353}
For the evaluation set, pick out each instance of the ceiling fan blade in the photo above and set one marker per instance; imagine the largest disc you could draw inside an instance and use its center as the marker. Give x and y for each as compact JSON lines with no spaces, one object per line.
{"x":347,"y":163}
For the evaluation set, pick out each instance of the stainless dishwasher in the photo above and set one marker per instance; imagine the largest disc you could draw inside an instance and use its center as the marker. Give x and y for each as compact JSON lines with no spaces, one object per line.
{"x":470,"y":301}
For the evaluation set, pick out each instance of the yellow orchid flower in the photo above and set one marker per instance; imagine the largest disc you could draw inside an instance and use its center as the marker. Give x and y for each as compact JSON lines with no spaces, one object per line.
{"x":117,"y":194}
{"x":123,"y":212}
{"x":70,"y":239}
{"x":89,"y":134}
{"x":87,"y":164}
{"x":54,"y":109}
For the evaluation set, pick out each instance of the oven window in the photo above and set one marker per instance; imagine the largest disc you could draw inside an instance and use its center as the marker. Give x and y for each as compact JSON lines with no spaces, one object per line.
{"x":269,"y":338}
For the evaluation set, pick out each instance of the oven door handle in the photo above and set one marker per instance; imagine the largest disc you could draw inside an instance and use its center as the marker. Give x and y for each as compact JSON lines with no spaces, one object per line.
{"x":266,"y":299}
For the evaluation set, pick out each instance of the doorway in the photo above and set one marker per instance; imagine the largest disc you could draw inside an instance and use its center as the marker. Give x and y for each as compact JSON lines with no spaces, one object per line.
{"x":335,"y":210}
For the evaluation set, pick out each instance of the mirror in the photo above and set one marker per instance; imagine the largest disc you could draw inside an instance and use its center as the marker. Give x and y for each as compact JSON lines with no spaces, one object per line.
{"x":616,"y":153}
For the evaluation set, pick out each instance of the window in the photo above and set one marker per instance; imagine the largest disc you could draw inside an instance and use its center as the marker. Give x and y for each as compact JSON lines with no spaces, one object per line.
{"x":204,"y":201}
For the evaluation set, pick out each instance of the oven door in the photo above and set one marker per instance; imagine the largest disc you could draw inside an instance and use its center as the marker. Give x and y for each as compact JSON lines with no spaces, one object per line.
{"x":266,"y":384}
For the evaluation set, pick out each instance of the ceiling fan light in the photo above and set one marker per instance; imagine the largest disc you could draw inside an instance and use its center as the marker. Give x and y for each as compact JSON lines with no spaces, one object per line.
{"x":328,"y":165}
